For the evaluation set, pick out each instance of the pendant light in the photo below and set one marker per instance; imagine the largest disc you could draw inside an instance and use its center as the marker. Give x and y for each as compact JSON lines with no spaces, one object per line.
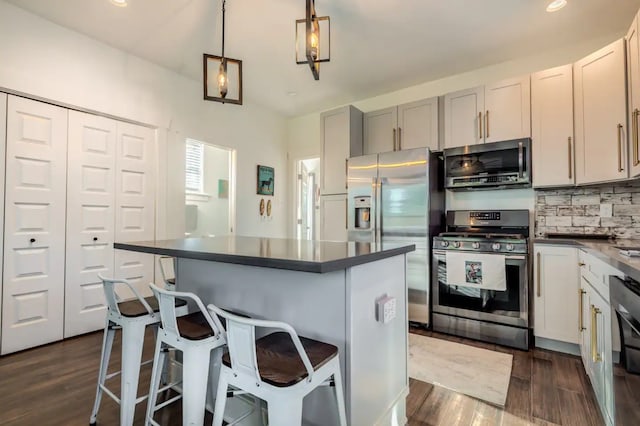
{"x":222,"y":75}
{"x":313,"y":40}
{"x":556,"y":5}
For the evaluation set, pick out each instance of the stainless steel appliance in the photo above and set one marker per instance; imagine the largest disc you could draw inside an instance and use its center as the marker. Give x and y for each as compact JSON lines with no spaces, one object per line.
{"x":490,"y":165}
{"x":625,"y":300}
{"x":499,"y":316}
{"x":398,"y":197}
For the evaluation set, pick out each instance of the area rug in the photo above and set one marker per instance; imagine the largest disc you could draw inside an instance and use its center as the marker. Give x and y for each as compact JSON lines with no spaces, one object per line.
{"x":479,"y":373}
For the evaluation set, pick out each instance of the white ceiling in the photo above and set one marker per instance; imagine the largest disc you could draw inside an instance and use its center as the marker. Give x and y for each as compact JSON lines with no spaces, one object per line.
{"x":377,"y":45}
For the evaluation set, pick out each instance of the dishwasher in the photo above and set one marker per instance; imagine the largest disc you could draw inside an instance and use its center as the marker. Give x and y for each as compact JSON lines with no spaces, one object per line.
{"x":625,"y":300}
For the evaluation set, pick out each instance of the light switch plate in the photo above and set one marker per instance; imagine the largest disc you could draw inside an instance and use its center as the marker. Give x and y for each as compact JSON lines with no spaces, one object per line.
{"x":385,"y":309}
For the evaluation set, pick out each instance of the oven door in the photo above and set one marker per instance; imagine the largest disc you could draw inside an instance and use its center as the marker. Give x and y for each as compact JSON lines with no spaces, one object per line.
{"x":504,"y":307}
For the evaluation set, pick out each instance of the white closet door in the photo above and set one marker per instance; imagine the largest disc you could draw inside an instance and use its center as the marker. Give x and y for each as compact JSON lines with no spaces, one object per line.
{"x":3,"y":134}
{"x":135,"y":202}
{"x":34,"y":251}
{"x":90,"y":220}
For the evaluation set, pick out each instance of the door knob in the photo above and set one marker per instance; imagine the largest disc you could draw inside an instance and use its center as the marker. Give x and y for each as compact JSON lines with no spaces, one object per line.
{"x":32,"y":240}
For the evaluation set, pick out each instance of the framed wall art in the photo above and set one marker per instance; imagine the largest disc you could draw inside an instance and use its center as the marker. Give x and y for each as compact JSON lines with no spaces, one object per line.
{"x":265,"y":180}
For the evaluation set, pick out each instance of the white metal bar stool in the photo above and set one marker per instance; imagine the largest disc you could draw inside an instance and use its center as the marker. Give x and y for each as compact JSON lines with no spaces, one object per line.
{"x":196,"y":335}
{"x":168,"y":272}
{"x":132,"y":317}
{"x":280,"y":368}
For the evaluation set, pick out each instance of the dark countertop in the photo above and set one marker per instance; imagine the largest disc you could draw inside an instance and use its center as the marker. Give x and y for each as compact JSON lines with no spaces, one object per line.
{"x":279,"y":253}
{"x":605,"y":250}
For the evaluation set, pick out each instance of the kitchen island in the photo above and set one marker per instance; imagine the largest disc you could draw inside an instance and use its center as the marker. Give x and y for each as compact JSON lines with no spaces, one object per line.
{"x":327,"y":291}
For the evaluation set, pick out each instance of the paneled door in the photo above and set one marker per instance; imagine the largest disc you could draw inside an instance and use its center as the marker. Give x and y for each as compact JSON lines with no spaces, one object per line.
{"x":34,"y":228}
{"x":3,"y":134}
{"x":507,"y":106}
{"x":380,"y":131}
{"x":90,"y":220}
{"x":418,"y":124}
{"x":135,"y":203}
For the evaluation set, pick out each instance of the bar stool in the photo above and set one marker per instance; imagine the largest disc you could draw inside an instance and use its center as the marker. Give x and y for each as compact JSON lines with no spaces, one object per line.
{"x":280,"y":368}
{"x":132,"y":317}
{"x":196,"y":335}
{"x":168,"y":272}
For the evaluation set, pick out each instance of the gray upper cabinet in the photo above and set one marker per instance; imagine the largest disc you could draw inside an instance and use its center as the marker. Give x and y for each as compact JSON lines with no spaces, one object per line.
{"x":599,"y":90}
{"x":340,"y":138}
{"x":490,"y":113}
{"x":407,"y":126}
{"x":633,"y":89}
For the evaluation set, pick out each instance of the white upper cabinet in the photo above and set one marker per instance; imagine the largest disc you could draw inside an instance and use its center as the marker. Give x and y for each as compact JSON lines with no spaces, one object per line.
{"x":34,"y":224}
{"x":600,"y":115}
{"x":507,"y":105}
{"x":494,"y":112}
{"x":380,"y":130}
{"x":340,"y":139}
{"x":418,"y":125}
{"x":556,"y":296}
{"x":633,"y":89}
{"x":552,"y":127}
{"x":463,"y":122}
{"x":407,"y":126}
{"x":3,"y":134}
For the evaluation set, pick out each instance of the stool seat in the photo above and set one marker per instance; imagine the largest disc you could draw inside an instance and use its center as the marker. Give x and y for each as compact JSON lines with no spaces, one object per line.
{"x":280,"y":364}
{"x":133,"y":308}
{"x":194,"y":326}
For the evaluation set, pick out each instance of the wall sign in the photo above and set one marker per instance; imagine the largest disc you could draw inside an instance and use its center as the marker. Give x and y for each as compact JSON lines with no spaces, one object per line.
{"x":265,"y":180}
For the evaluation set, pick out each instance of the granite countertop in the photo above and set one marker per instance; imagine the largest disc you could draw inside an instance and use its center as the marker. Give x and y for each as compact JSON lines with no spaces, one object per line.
{"x":279,"y":253}
{"x":606,"y":250}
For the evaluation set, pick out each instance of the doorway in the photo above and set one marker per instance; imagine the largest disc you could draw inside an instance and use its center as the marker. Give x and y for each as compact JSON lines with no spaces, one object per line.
{"x":209,"y":189}
{"x":308,"y":206}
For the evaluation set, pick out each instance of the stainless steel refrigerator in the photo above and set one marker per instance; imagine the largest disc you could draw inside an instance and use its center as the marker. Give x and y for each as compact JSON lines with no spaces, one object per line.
{"x":398,"y":197}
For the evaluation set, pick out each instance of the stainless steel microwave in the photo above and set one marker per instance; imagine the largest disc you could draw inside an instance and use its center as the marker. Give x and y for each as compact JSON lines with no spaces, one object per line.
{"x":488,"y":166}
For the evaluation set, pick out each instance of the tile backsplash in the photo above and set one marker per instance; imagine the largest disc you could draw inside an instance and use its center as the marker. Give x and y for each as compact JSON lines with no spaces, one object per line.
{"x":604,"y":209}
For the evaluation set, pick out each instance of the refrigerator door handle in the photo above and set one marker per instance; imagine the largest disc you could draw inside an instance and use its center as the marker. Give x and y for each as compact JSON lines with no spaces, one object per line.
{"x":378,"y":212}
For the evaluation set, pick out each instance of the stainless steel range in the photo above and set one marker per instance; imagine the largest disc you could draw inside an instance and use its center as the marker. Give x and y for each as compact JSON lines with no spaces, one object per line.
{"x":481,"y":278}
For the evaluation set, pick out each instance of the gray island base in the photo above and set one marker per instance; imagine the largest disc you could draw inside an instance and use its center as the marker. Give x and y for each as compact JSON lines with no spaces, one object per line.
{"x":328,"y":291}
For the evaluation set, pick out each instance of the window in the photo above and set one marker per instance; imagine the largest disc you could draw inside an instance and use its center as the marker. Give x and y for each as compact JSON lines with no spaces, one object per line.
{"x":194,"y":168}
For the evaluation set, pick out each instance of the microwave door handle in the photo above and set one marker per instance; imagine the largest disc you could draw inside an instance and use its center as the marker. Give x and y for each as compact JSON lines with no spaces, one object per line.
{"x":520,"y":159}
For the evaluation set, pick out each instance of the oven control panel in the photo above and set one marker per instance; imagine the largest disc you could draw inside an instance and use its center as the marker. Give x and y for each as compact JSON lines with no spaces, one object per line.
{"x":484,"y":215}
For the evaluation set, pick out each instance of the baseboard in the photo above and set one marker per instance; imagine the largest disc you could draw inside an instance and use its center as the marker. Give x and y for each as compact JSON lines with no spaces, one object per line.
{"x":557,"y":346}
{"x":396,"y":413}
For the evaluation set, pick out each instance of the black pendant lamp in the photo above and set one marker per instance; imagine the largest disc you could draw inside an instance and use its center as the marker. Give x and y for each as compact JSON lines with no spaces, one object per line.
{"x":313,"y":40}
{"x":222,"y":75}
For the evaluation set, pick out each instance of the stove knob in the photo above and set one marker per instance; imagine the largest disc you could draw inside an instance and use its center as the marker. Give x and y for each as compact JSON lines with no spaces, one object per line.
{"x":495,"y":246}
{"x":509,"y":247}
{"x":475,"y":245}
{"x":456,"y":244}
{"x":444,"y":243}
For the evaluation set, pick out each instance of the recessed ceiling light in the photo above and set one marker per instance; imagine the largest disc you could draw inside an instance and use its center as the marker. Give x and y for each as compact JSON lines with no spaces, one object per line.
{"x":556,"y":5}
{"x":292,"y":93}
{"x":119,"y":3}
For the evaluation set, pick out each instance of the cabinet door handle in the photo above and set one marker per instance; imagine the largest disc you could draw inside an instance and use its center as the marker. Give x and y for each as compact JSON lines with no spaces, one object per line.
{"x":581,"y":328}
{"x":620,"y":167}
{"x":32,"y":240}
{"x":346,"y":215}
{"x":570,"y":159}
{"x":346,"y":173}
{"x":95,"y":239}
{"x":395,"y":144}
{"x":581,"y":264}
{"x":538,"y":291}
{"x":399,"y":138}
{"x":595,"y":353}
{"x":636,"y":157}
{"x":480,"y":125}
{"x":486,"y":124}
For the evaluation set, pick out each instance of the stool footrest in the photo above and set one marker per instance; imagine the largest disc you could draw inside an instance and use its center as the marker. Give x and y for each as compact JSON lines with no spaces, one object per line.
{"x":111,"y":394}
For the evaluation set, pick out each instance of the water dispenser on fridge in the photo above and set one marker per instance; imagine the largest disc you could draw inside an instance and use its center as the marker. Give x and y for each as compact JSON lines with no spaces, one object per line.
{"x":363,"y":212}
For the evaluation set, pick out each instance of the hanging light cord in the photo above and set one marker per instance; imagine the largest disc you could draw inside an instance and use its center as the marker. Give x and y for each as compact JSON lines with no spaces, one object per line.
{"x":223,"y":3}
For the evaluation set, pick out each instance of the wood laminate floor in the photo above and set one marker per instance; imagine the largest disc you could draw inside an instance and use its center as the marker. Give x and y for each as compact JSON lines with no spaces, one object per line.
{"x":55,"y":385}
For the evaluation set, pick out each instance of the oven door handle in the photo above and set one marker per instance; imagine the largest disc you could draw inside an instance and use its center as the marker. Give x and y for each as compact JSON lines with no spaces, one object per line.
{"x":440,"y":255}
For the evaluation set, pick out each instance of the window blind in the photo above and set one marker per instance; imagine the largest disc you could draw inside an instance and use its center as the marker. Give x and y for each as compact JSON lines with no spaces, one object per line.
{"x":194,"y":166}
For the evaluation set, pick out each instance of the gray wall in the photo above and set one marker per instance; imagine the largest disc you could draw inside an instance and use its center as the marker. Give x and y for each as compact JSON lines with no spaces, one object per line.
{"x":603,"y":209}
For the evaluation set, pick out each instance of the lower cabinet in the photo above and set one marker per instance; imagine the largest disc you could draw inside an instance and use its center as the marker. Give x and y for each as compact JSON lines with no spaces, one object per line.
{"x":596,"y":343}
{"x":556,"y":301}
{"x":333,"y":217}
